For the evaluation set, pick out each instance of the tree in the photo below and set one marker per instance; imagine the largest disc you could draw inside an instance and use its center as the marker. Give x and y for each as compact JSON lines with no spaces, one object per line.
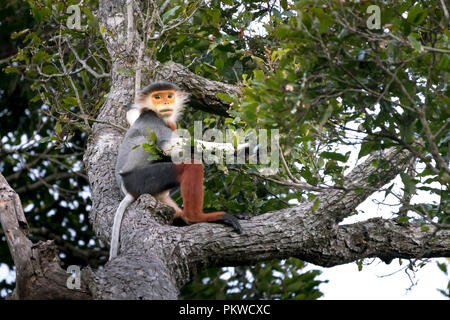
{"x":319,"y":72}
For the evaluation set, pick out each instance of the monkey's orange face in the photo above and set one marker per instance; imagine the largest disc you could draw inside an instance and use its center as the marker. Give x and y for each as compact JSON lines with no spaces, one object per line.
{"x":164,"y":102}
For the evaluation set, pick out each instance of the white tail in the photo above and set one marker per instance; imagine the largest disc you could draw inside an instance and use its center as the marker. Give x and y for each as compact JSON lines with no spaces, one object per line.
{"x":124,"y":204}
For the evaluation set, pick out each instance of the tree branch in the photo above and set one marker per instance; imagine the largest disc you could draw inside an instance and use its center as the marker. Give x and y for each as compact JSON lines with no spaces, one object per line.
{"x":38,"y":273}
{"x":365,"y":179}
{"x":45,"y":180}
{"x":203,"y":92}
{"x":386,"y":239}
{"x":270,"y":236}
{"x":84,"y":64}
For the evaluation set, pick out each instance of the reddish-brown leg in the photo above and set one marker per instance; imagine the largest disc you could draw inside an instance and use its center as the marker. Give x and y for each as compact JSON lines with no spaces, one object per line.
{"x":190,"y":176}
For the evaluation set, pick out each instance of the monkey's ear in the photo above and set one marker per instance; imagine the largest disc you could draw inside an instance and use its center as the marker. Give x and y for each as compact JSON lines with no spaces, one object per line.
{"x":132,"y":115}
{"x":182,"y":98}
{"x":182,"y":95}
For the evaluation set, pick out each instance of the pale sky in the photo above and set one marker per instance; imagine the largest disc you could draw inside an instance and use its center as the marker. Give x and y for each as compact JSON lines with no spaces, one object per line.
{"x":376,"y":281}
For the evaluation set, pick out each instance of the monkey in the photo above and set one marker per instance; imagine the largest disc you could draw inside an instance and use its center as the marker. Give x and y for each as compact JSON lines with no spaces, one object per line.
{"x":157,"y":108}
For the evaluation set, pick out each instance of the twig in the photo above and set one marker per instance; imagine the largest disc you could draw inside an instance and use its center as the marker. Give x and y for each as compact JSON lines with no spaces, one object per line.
{"x":283,"y":161}
{"x":442,"y":129}
{"x":130,"y":26}
{"x":422,"y":117}
{"x":85,"y":65}
{"x":444,"y":8}
{"x":61,"y":61}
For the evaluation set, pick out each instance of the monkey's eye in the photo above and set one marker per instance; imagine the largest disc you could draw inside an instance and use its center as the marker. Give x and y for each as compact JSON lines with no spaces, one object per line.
{"x":170,"y":96}
{"x":157,"y":96}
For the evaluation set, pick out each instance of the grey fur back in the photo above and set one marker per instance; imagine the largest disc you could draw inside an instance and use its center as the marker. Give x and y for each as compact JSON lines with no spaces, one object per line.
{"x":130,"y":158}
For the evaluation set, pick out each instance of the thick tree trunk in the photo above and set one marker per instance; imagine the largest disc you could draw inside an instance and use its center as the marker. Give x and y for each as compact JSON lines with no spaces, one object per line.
{"x":38,"y":271}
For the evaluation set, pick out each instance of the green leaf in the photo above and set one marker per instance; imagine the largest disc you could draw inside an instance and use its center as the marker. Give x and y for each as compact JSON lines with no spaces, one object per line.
{"x":99,"y":103}
{"x":416,"y":15}
{"x":40,"y":56}
{"x":154,"y":157}
{"x":443,"y":267}
{"x":45,"y":139}
{"x":58,"y":127}
{"x":334,"y":156}
{"x":91,"y":18}
{"x":72,"y":101}
{"x":410,"y":185}
{"x":36,"y":14}
{"x":259,"y":76}
{"x":169,"y":13}
{"x":360,"y":264}
{"x":151,"y":136}
{"x":49,"y":69}
{"x":315,"y":205}
{"x":10,"y":69}
{"x":367,"y":147}
{"x":148,"y":147}
{"x":224,"y":97}
{"x":415,"y":43}
{"x":403,"y":219}
{"x":388,"y":190}
{"x":219,"y":64}
{"x":36,"y":98}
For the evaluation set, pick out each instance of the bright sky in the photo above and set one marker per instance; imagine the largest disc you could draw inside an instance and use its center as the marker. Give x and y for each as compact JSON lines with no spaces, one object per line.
{"x":376,"y":281}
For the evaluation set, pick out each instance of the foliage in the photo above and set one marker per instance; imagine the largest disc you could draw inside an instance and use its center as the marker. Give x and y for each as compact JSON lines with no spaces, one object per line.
{"x":41,"y":146}
{"x":270,"y":280}
{"x":55,"y":56}
{"x":326,"y":80}
{"x":151,"y":147}
{"x":444,"y":268}
{"x":329,"y":80}
{"x":215,"y":44}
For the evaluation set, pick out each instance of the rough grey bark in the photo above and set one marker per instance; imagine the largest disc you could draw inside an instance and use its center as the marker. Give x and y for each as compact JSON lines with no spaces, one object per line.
{"x":157,"y":259}
{"x":38,"y":271}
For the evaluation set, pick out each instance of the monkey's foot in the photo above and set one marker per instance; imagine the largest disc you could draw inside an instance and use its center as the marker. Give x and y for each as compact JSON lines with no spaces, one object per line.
{"x":230,"y":220}
{"x":243,"y":216}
